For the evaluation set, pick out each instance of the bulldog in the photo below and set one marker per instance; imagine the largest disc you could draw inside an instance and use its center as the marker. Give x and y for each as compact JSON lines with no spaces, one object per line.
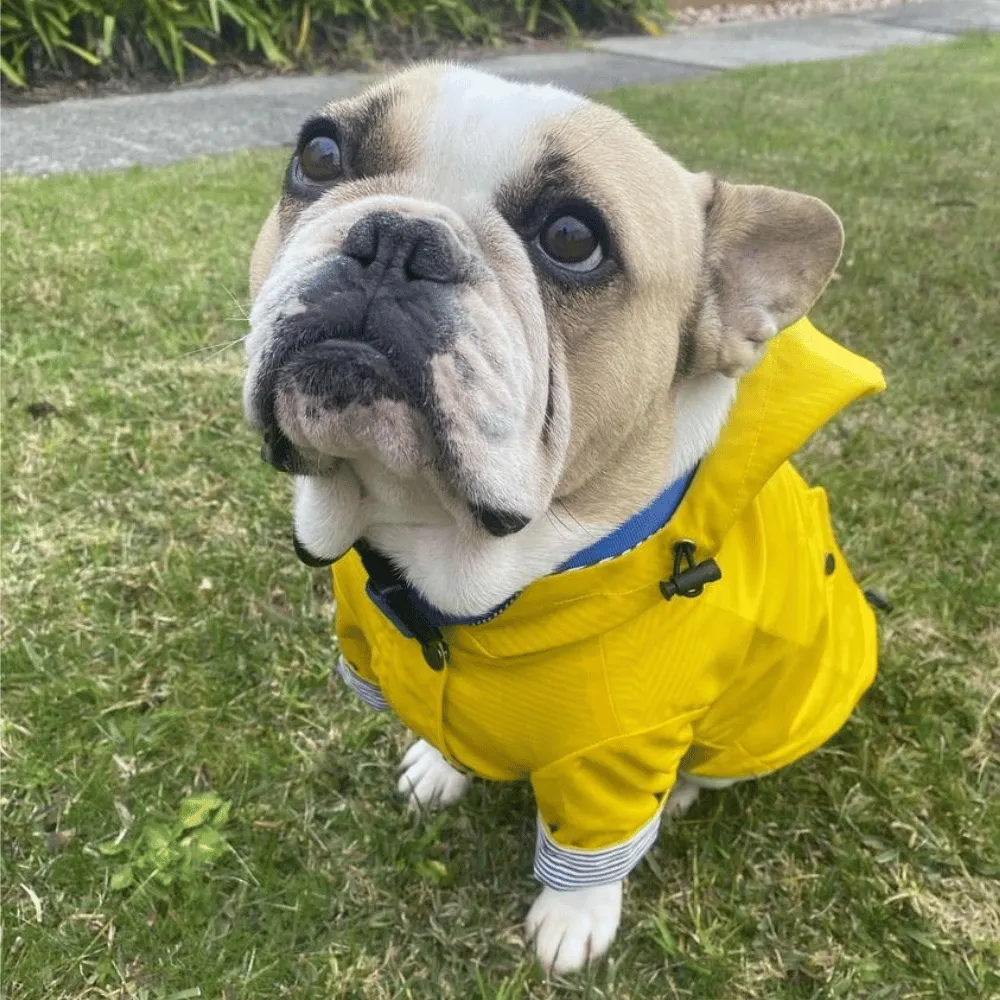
{"x":538,"y":385}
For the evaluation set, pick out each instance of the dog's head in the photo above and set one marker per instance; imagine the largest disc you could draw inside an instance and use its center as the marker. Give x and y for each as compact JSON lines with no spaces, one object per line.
{"x":483,"y":297}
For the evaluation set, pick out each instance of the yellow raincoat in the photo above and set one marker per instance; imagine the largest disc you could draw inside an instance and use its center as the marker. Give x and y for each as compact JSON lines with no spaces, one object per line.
{"x":595,"y":687}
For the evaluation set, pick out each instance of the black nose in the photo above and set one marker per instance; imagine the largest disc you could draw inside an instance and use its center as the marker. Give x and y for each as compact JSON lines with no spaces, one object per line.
{"x":420,"y":248}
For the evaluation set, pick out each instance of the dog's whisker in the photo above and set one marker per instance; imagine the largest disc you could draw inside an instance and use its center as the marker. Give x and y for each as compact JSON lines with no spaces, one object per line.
{"x":551,"y":513}
{"x":595,"y":533}
{"x":236,"y":302}
{"x":217,"y":348}
{"x":572,"y":516}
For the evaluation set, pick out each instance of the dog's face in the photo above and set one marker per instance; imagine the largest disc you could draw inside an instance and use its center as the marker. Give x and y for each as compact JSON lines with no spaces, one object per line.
{"x":483,"y":297}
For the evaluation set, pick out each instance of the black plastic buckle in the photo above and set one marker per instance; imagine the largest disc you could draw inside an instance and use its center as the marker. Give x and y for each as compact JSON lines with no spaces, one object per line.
{"x":389,"y":586}
{"x":689,"y":582}
{"x":432,"y":643}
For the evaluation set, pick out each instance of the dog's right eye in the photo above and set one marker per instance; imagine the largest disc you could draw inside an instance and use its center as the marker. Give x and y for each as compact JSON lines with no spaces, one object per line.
{"x":571,"y":242}
{"x":320,"y":160}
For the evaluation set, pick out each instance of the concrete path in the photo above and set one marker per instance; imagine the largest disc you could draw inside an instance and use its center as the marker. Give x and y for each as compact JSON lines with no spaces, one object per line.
{"x":114,"y":132}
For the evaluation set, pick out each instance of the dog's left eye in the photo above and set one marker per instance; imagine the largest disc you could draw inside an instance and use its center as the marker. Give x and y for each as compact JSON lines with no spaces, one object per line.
{"x":571,"y":243}
{"x":320,"y":160}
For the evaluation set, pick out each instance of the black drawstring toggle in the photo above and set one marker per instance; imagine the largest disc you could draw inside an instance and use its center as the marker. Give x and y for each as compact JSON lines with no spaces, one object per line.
{"x":878,"y":601}
{"x":689,"y":581}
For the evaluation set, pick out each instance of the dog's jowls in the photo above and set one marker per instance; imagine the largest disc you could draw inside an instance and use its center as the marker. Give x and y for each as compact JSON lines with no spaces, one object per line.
{"x":490,"y":321}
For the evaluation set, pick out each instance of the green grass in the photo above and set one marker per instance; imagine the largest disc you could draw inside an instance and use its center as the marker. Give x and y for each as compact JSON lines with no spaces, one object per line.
{"x":161,"y":640}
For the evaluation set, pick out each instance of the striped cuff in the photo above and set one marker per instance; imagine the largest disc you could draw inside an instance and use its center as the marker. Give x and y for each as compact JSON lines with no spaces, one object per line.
{"x":558,"y":867}
{"x":370,"y":694}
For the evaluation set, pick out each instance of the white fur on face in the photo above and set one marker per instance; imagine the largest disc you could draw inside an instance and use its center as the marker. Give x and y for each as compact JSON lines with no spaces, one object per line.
{"x":478,"y":132}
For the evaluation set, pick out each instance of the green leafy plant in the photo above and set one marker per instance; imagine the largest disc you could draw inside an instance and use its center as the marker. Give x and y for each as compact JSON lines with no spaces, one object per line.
{"x":119,"y":37}
{"x":164,"y":852}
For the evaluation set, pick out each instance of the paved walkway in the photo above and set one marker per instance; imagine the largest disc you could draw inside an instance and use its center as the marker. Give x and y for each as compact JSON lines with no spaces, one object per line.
{"x":115,"y":132}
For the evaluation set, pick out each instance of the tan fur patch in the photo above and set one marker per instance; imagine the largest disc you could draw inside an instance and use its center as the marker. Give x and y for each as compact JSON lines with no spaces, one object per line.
{"x":621,"y":342}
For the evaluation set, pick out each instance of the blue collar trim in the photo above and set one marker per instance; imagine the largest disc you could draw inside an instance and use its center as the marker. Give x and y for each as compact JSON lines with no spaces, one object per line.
{"x":636,"y":529}
{"x":386,"y":586}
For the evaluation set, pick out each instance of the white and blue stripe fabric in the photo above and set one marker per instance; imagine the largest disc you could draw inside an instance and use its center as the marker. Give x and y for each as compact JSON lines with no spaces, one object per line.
{"x":370,"y":694}
{"x":558,"y":867}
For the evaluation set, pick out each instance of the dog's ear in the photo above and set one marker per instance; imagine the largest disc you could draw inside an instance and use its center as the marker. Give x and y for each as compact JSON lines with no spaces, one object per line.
{"x":768,"y":255}
{"x":264,"y":252}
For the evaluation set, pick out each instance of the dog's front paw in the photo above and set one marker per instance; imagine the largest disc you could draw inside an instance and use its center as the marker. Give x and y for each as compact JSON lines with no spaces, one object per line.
{"x":682,"y":796}
{"x":427,"y":780}
{"x":571,"y":928}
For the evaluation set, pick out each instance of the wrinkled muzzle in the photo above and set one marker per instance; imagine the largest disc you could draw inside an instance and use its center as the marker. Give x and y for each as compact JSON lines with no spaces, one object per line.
{"x":401,"y":344}
{"x":363,"y":329}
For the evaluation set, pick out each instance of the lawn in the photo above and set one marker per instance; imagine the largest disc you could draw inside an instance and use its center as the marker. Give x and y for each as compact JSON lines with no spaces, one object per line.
{"x":192,"y":808}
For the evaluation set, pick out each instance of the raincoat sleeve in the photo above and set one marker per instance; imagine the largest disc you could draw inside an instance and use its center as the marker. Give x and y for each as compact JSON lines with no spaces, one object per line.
{"x":599,"y":810}
{"x":354,"y":664}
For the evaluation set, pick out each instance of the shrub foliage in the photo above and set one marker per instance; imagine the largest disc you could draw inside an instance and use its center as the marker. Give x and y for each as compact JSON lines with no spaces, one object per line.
{"x":123,"y":37}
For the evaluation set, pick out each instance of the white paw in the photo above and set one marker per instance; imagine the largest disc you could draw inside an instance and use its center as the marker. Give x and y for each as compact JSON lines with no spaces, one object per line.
{"x":682,"y":796}
{"x":427,"y":780}
{"x":572,"y":928}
